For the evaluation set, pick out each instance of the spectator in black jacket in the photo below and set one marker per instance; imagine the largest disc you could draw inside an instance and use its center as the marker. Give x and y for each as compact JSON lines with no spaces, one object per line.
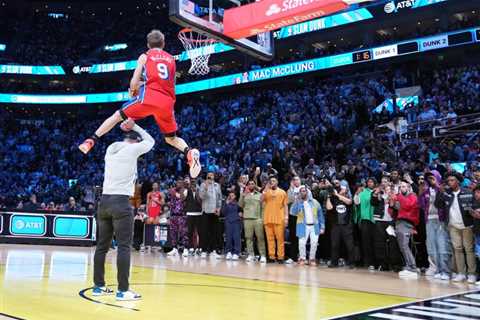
{"x":458,"y":202}
{"x":193,"y":208}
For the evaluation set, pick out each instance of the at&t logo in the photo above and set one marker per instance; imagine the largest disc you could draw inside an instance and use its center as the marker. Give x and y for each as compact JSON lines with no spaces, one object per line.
{"x":391,"y":7}
{"x":19,"y":224}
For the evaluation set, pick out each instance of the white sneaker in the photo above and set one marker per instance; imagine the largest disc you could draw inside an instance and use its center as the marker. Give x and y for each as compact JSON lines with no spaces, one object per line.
{"x":371,"y":268}
{"x":408,"y":274}
{"x":445,"y":277}
{"x":193,"y":160}
{"x":203,"y":255}
{"x":289,"y":261}
{"x":263,"y":259}
{"x":471,"y":278}
{"x":173,"y":253}
{"x":127,"y":296}
{"x":229,"y":256}
{"x":250,"y":259}
{"x":477,"y":283}
{"x":459,"y":278}
{"x":235,"y":257}
{"x":192,"y":252}
{"x":185,"y":253}
{"x":437,"y":276}
{"x":431,"y":272}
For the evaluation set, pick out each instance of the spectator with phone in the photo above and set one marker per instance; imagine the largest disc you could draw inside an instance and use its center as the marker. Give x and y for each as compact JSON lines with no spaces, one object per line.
{"x":458,"y":203}
{"x":364,"y":217}
{"x":405,"y":209}
{"x":438,"y":238}
{"x":250,"y":201}
{"x":340,"y":203}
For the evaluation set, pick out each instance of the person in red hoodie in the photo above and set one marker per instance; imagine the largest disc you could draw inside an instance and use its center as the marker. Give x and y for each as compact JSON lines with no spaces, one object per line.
{"x":406,"y":212}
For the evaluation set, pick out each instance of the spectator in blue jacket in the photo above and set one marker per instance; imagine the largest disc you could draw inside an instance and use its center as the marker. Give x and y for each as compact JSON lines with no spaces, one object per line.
{"x":310,"y":225}
{"x":232,"y":214}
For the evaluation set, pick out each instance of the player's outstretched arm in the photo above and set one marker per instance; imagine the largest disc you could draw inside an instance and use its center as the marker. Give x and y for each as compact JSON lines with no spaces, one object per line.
{"x":146,"y":144}
{"x":136,"y":80}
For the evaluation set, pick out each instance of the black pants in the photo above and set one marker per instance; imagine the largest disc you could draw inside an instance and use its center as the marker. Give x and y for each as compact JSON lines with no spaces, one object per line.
{"x":115,"y":216}
{"x":210,"y":237}
{"x":138,"y":234}
{"x":367,"y":230}
{"x":387,"y":252}
{"x":194,"y":224}
{"x":342,"y":233}
{"x":292,"y":252}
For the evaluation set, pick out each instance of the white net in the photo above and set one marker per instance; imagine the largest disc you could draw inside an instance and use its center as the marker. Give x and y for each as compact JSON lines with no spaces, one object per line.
{"x":198,"y":47}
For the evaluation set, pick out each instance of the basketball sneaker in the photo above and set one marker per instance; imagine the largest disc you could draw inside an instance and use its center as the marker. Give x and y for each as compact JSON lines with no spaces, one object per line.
{"x":127,"y":296}
{"x":87,"y":145}
{"x":101,"y":291}
{"x":193,"y":160}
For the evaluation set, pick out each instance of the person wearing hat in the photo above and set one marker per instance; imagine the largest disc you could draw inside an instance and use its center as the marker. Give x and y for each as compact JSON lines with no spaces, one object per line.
{"x":458,"y":203}
{"x":115,"y":215}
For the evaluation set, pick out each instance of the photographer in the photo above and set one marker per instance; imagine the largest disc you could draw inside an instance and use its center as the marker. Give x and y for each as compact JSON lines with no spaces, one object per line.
{"x":342,"y":230}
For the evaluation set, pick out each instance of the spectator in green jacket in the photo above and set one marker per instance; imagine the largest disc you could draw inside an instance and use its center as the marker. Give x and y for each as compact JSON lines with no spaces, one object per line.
{"x":250,"y":201}
{"x":364,"y":217}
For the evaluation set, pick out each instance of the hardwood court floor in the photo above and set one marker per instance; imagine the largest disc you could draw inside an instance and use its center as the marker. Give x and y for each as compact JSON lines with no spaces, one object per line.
{"x":42,"y":282}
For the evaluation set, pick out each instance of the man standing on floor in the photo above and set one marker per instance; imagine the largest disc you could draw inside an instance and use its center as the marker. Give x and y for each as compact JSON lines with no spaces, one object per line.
{"x":458,"y":203}
{"x":275,"y":219}
{"x":406,"y":211}
{"x":115,"y":215}
{"x":250,"y":201}
{"x":211,"y":196}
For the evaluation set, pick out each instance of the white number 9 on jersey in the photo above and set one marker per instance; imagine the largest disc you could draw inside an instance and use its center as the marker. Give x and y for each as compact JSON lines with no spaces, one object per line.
{"x":162,"y":71}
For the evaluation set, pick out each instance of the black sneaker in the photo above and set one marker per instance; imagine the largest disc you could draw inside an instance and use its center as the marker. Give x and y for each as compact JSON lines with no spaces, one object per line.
{"x":281,"y":261}
{"x":271,"y":260}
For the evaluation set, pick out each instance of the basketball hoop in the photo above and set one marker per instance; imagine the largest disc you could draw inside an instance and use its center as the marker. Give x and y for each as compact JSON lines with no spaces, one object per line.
{"x":198,"y":47}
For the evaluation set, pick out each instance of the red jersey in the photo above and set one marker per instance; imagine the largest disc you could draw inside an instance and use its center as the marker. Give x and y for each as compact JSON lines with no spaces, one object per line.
{"x":159,"y":72}
{"x":154,"y":207}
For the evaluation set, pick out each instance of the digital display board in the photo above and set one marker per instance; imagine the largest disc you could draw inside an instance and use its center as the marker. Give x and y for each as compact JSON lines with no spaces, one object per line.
{"x":408,"y":47}
{"x":365,"y":55}
{"x":37,"y":70}
{"x":299,"y":67}
{"x":28,"y":225}
{"x":460,"y":38}
{"x":70,"y":227}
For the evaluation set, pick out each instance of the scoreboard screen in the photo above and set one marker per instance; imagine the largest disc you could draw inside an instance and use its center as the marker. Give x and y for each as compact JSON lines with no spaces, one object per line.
{"x":365,"y":55}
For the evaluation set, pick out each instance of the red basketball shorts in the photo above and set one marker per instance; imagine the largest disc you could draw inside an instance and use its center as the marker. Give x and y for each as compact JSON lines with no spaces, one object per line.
{"x":152,"y":103}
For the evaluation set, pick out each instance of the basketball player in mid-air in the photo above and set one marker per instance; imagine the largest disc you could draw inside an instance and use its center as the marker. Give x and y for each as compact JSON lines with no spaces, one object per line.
{"x":153,"y":97}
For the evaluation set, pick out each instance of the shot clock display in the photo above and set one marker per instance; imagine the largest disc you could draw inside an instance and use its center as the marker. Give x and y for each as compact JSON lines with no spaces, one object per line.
{"x":365,"y":55}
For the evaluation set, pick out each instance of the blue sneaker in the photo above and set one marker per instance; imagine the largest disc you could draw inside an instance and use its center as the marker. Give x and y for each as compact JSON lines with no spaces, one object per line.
{"x":101,"y":291}
{"x":128,"y":296}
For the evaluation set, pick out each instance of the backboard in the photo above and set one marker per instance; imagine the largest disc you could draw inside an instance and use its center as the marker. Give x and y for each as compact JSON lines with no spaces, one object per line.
{"x":206,"y":17}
